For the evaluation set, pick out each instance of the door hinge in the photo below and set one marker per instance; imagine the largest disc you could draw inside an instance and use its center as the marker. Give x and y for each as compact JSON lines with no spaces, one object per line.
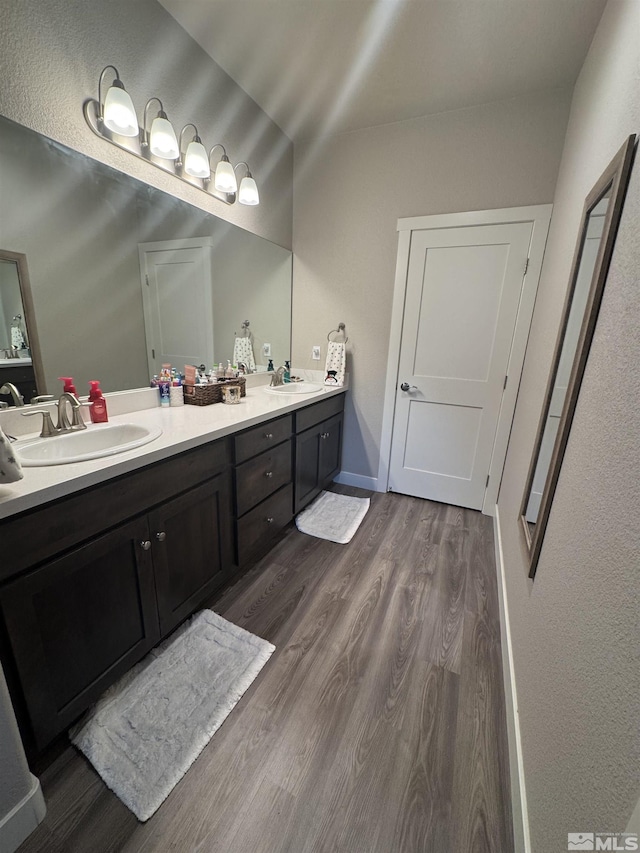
{"x":146,"y":278}
{"x":505,"y":382}
{"x":153,"y":353}
{"x":488,"y":478}
{"x":526,"y":266}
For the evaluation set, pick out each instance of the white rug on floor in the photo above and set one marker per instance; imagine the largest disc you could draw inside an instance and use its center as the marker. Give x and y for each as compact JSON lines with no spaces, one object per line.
{"x":333,"y":517}
{"x":148,"y":728}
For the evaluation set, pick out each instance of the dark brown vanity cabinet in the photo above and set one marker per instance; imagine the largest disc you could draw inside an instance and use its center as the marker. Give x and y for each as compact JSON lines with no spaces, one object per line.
{"x":318,"y":448}
{"x":95,"y":606}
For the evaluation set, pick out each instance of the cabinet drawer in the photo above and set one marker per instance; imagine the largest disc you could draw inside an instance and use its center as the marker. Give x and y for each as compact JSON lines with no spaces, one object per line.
{"x":312,"y":415}
{"x":259,"y":526}
{"x":262,"y":437}
{"x":262,"y":476}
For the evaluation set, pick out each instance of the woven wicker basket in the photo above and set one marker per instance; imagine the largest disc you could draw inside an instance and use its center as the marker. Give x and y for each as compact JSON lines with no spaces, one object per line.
{"x":207,"y":395}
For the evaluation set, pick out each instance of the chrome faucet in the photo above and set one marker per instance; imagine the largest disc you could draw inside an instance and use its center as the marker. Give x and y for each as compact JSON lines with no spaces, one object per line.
{"x":278,"y":377}
{"x":10,"y":388}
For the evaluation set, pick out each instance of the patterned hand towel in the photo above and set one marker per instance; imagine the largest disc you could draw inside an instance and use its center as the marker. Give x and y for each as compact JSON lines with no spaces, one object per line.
{"x":10,"y":467}
{"x":336,"y":363}
{"x":243,"y":352}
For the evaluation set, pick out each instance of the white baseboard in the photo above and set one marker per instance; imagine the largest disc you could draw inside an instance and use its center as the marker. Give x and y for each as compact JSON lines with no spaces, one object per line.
{"x":522,"y":840}
{"x":346,"y":478}
{"x":23,"y":818}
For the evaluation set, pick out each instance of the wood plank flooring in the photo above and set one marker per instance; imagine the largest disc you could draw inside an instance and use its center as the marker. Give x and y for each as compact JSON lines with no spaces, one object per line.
{"x":378,"y":725}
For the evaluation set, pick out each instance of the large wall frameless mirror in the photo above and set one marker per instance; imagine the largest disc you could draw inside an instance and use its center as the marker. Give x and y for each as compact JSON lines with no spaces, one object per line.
{"x":80,"y":225}
{"x":598,"y":228}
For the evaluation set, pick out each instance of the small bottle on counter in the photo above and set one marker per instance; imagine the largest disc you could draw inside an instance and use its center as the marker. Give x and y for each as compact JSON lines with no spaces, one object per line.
{"x":98,"y":407}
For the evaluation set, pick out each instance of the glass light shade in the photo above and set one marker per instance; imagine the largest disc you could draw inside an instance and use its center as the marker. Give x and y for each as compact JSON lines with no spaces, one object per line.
{"x":225,"y":179}
{"x":162,"y":139}
{"x":196,"y":161}
{"x":119,"y":113}
{"x":248,"y":191}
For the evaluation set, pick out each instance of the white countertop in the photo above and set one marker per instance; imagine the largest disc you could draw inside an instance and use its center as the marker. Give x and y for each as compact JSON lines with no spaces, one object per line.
{"x":183,"y":428}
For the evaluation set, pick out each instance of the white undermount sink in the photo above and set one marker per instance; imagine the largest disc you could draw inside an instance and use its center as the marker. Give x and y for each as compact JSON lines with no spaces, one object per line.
{"x":294,"y":388}
{"x":95,"y":441}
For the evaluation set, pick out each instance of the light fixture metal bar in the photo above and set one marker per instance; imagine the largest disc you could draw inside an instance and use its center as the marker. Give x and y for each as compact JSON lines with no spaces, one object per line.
{"x":91,"y":110}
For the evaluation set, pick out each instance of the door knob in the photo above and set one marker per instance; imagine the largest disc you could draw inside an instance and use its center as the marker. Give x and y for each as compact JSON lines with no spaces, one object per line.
{"x":406,"y":387}
{"x":270,"y":520}
{"x":145,"y":545}
{"x":268,"y":474}
{"x":161,"y":536}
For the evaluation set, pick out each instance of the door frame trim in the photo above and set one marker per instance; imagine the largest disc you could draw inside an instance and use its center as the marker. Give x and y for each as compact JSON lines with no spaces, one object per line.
{"x":540,"y":216}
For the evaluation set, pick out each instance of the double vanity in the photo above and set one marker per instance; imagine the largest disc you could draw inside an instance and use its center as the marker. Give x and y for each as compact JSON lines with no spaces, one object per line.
{"x":102,"y":559}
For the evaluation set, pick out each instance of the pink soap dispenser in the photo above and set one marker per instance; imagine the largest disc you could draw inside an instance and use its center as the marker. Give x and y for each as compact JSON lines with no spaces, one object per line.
{"x":98,"y":407}
{"x":69,"y":387}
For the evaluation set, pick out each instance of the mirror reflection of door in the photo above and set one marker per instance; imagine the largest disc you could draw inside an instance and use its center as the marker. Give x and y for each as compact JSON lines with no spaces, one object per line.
{"x":594,"y":231}
{"x":16,"y":365}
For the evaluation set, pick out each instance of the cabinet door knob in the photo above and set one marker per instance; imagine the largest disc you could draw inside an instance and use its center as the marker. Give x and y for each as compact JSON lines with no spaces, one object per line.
{"x":268,"y":435}
{"x":161,"y":536}
{"x":324,"y":435}
{"x":145,"y":545}
{"x":268,"y":474}
{"x":269,"y":521}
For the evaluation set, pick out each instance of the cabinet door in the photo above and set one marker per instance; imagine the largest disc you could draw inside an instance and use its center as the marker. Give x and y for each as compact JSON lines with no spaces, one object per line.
{"x":192,"y":548}
{"x":307,"y":466}
{"x":330,"y":450}
{"x":79,"y":622}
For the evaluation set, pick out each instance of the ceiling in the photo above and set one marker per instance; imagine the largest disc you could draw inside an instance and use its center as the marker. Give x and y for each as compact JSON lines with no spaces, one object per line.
{"x":330,"y":66}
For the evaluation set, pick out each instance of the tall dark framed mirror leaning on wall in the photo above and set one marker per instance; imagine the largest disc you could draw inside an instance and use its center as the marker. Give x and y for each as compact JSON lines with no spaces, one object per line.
{"x":597,"y":234}
{"x":20,"y":361}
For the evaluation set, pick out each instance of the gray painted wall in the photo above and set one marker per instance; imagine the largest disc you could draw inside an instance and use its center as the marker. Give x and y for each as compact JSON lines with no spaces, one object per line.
{"x":348,"y":196}
{"x":575,"y":630}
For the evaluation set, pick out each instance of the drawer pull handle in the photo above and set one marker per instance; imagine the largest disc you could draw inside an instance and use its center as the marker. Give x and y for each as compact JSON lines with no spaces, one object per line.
{"x":268,"y":435}
{"x":161,"y":536}
{"x":145,"y":545}
{"x":269,"y":521}
{"x":268,"y":474}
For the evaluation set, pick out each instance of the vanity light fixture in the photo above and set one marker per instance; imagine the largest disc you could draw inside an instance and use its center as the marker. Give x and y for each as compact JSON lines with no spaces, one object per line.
{"x":161,"y":138}
{"x":224,"y":178}
{"x":195,"y":160}
{"x":117,"y":111}
{"x":248,"y":193}
{"x":154,"y":140}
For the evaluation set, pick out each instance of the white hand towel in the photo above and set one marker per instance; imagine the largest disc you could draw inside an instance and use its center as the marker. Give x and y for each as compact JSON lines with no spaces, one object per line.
{"x":10,"y":467}
{"x":243,"y":352}
{"x":335,"y":365}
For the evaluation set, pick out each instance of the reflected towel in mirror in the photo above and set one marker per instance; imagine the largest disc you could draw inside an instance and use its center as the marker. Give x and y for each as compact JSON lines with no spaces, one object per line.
{"x":243,"y":352}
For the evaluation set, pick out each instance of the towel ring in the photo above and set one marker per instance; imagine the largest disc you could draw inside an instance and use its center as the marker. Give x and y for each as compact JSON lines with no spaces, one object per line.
{"x":341,"y":328}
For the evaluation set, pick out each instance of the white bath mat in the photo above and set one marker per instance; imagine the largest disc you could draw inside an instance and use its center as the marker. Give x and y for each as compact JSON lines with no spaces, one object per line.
{"x":333,"y":517}
{"x":148,"y":728}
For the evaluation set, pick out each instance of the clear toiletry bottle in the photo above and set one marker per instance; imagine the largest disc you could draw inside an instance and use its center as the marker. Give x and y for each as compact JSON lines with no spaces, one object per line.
{"x":98,"y":407}
{"x":287,"y":372}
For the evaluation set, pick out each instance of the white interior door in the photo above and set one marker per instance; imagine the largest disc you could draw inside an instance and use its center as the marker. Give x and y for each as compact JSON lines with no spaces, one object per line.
{"x":175,"y":277}
{"x":463,"y":291}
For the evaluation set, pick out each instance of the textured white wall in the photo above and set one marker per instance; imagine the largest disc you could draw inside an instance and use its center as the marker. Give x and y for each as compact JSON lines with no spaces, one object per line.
{"x":51,"y":55}
{"x":348,"y":195}
{"x":575,"y":630}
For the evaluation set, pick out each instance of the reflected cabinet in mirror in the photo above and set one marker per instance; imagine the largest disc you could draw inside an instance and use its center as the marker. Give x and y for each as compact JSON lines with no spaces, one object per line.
{"x":599,"y":224}
{"x":124,"y":276}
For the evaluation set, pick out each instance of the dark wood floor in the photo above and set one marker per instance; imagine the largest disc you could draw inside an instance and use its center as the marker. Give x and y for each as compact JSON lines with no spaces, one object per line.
{"x":377,"y":726}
